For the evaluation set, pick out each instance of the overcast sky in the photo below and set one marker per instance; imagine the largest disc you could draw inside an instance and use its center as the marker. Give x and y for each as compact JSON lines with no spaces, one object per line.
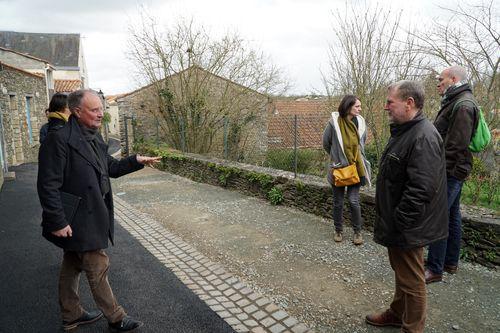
{"x":294,"y":33}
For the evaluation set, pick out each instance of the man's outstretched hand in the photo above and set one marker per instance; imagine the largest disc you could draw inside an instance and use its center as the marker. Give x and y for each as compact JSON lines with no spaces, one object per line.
{"x":146,"y":160}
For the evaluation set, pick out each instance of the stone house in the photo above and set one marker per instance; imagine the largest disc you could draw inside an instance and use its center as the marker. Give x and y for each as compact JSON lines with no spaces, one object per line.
{"x":63,"y":51}
{"x":23,"y":100}
{"x":242,"y":116}
{"x":30,"y":64}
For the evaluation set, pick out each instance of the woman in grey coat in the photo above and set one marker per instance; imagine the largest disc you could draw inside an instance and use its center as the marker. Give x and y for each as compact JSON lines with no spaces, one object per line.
{"x":344,"y":139}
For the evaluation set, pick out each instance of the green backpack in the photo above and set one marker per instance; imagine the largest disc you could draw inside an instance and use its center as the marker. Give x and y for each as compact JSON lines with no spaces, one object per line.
{"x":482,"y":136}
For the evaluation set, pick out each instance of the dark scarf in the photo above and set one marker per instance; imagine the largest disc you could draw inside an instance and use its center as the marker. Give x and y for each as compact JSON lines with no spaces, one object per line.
{"x":90,"y":136}
{"x":453,"y":91}
{"x":398,"y":129}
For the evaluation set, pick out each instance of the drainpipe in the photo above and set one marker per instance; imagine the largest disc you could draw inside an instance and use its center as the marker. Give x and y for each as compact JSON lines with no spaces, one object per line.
{"x":47,"y":69}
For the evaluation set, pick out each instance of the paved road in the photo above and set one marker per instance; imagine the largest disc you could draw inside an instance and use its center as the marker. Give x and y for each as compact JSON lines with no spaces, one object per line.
{"x":291,"y":258}
{"x":29,"y":268}
{"x":113,"y":145}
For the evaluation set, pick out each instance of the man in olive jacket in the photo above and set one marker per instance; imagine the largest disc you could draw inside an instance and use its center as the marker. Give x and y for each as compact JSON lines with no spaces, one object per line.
{"x":75,"y":194}
{"x":456,"y":122}
{"x":410,"y":196}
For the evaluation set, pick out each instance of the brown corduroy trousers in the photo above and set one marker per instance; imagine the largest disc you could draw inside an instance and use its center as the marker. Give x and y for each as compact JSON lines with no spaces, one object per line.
{"x":95,"y":264}
{"x":410,"y":296}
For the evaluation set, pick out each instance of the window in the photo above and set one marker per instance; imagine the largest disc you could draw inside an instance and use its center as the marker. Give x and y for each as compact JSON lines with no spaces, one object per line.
{"x":28,"y":118}
{"x":12,"y":103}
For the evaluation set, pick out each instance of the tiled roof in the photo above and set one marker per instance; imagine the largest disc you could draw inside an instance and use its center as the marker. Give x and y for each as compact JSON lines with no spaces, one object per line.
{"x":312,"y":116}
{"x":67,"y":85}
{"x":111,"y":99}
{"x":59,"y":49}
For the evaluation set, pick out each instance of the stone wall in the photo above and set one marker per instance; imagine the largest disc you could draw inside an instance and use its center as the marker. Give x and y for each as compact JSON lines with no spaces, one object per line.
{"x":1,"y":165}
{"x":17,"y":88}
{"x":312,"y":194}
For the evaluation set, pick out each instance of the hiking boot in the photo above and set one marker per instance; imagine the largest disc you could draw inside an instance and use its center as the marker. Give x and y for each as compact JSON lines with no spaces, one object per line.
{"x":86,"y":318}
{"x":431,"y":277}
{"x":450,"y":269}
{"x":357,"y":239}
{"x":337,"y":236}
{"x":386,"y":318}
{"x":127,"y":324}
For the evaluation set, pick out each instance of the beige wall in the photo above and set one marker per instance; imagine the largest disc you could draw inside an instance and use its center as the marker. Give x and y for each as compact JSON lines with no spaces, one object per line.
{"x":66,"y":75}
{"x":114,"y":125}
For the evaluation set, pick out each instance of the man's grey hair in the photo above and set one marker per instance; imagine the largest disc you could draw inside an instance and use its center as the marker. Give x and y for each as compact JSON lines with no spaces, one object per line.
{"x":406,"y":89}
{"x":75,"y":98}
{"x":458,"y":71}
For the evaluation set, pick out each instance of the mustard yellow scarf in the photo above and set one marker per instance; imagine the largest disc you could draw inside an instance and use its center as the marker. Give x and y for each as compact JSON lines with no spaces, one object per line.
{"x":58,"y":115}
{"x":350,"y":138}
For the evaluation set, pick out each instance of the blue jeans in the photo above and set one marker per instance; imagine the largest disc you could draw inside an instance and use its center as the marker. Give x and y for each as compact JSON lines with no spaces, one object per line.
{"x":338,"y":206}
{"x":447,"y":251}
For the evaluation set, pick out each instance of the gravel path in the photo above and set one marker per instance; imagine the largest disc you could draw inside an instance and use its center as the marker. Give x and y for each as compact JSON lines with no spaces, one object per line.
{"x":290,"y":256}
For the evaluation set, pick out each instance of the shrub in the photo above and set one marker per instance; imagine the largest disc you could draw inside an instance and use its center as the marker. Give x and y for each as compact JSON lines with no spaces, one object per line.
{"x":275,"y":196}
{"x":482,"y":187}
{"x":371,"y":156}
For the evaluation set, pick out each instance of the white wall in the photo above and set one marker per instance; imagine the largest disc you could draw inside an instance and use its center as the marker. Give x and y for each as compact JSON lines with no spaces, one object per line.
{"x":114,"y":124}
{"x":66,"y":75}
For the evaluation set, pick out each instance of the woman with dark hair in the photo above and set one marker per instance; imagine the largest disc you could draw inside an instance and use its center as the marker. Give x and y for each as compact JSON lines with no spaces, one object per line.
{"x":344,"y":139}
{"x":57,"y":113}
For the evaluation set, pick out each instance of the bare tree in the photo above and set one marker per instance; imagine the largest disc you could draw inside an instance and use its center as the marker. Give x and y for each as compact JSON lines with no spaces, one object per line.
{"x":370,"y":51}
{"x":470,"y":38}
{"x":203,"y":84}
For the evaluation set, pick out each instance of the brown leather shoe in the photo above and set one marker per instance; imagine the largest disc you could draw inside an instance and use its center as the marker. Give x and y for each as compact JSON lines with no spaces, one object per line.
{"x":431,"y":277}
{"x":450,"y":269}
{"x":386,"y":318}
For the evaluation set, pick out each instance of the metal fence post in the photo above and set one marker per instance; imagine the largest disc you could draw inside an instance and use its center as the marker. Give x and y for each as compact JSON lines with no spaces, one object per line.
{"x":125,"y":127}
{"x":225,"y":137}
{"x":157,"y":133}
{"x":295,"y":147}
{"x":133,"y":128}
{"x":183,"y":136}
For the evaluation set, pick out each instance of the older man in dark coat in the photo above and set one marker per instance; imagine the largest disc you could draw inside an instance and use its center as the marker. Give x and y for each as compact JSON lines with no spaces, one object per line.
{"x":75,"y":194}
{"x":456,"y":122}
{"x":410,"y":203}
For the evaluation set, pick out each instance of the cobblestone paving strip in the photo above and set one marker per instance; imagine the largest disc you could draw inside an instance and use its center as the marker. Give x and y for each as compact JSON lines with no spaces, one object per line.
{"x":241,"y":307}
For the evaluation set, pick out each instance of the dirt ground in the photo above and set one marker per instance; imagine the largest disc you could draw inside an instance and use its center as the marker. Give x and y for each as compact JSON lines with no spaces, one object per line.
{"x":290,"y":256}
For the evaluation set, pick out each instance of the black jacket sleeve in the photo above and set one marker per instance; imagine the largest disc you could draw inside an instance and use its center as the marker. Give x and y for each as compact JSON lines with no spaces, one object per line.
{"x":51,"y":164}
{"x":118,"y":168}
